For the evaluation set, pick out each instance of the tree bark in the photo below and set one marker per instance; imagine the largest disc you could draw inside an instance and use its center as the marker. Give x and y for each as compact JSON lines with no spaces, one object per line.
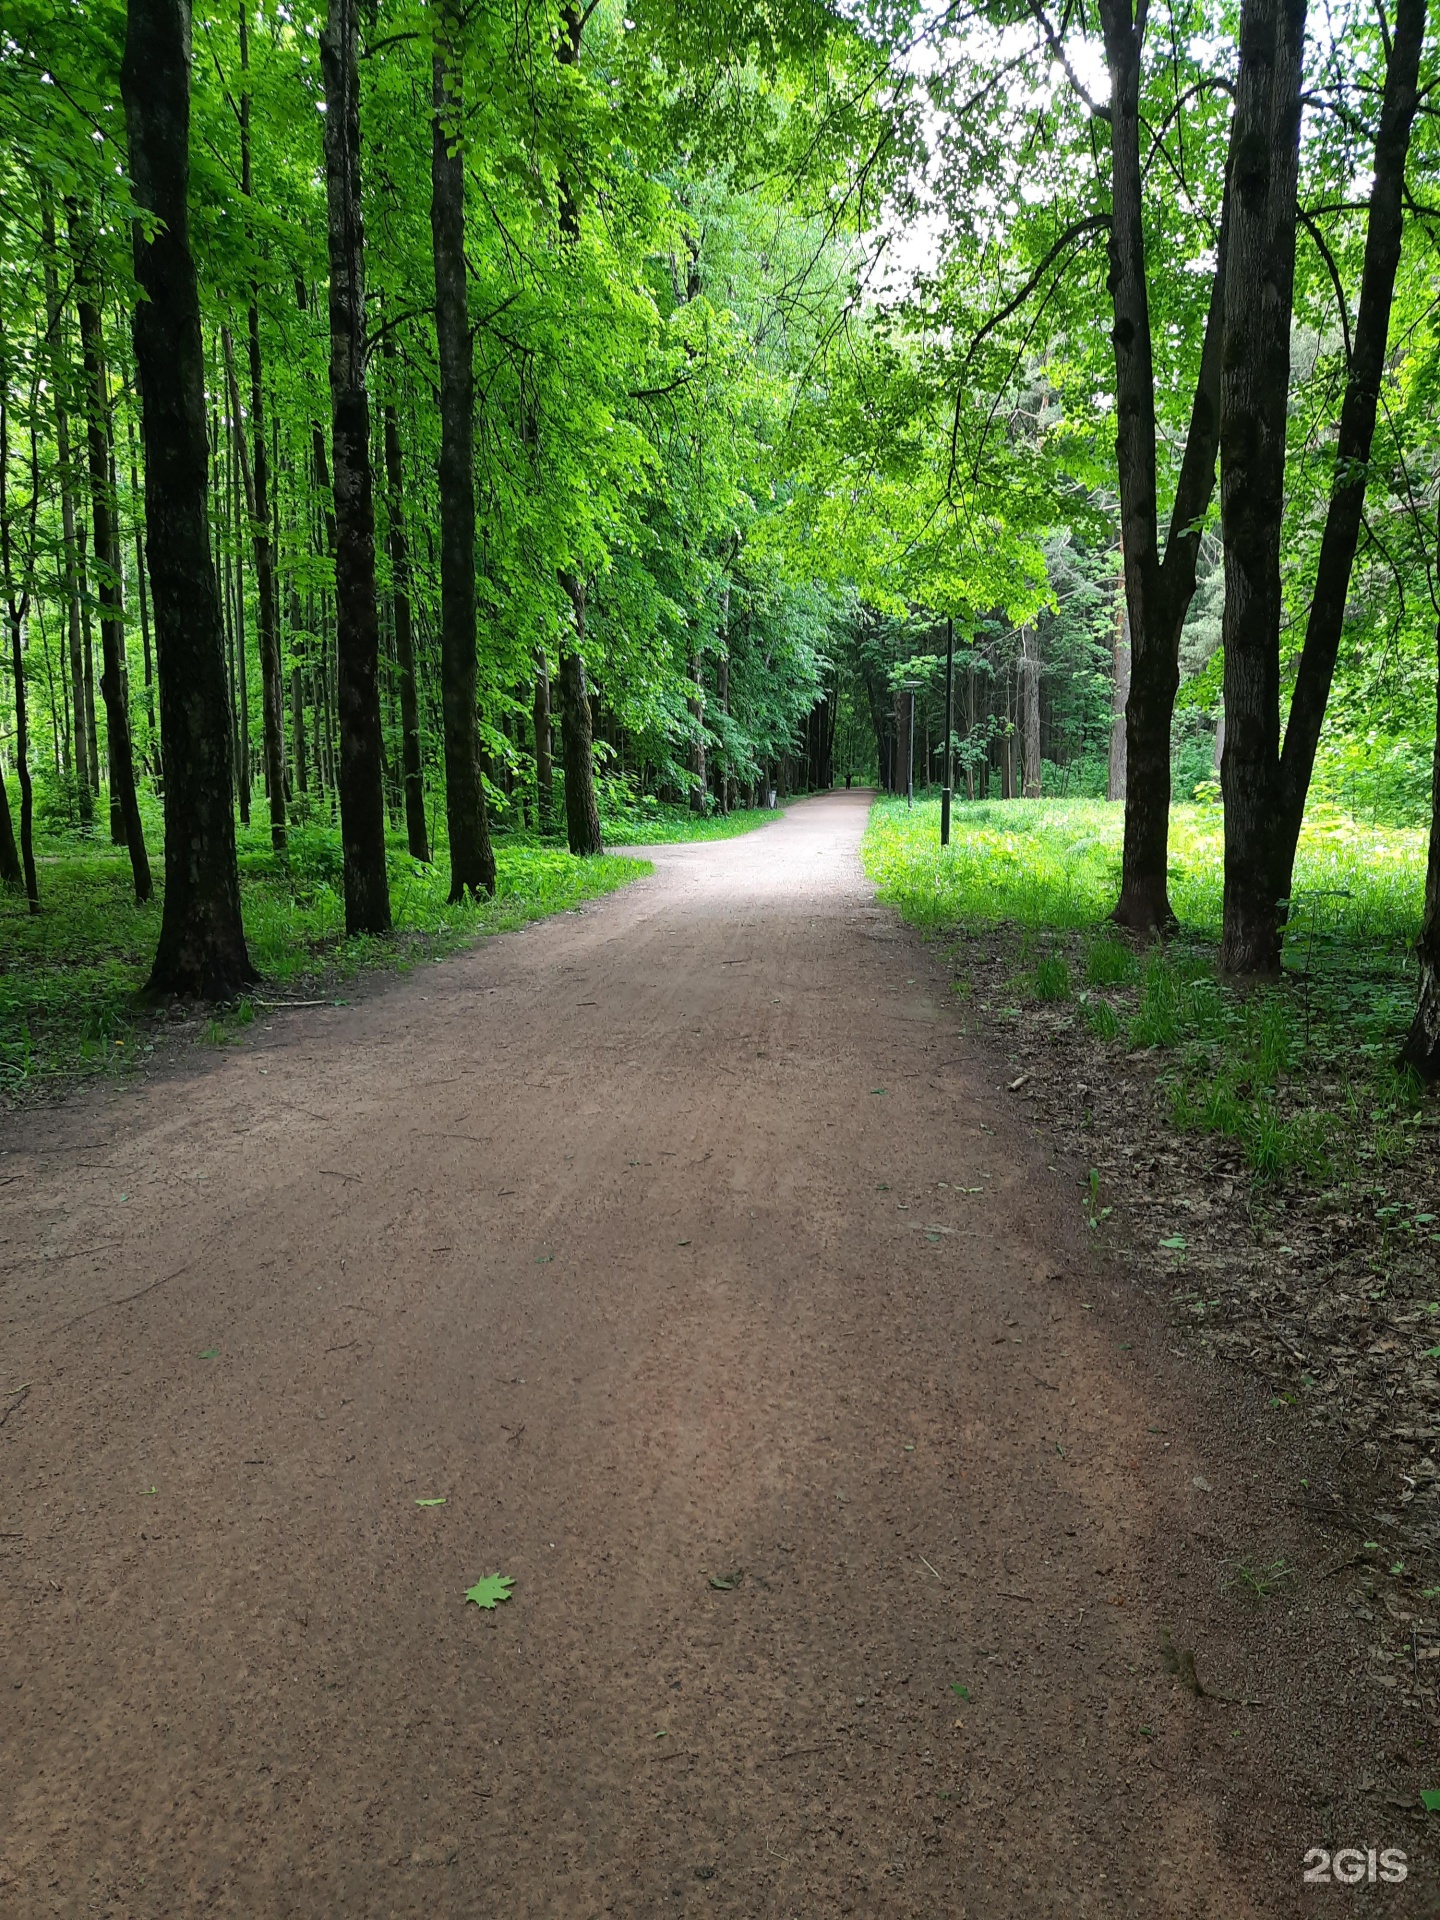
{"x":357,"y":618}
{"x":1029,"y":712}
{"x":256,"y":473}
{"x":1115,"y":777}
{"x":698,"y":777}
{"x":1422,"y":1044}
{"x":544,"y":780}
{"x":1254,"y":391}
{"x":1158,"y":593}
{"x":582,"y":810}
{"x":472,"y":862}
{"x":412,"y":772}
{"x":113,"y":678}
{"x":152,"y":753}
{"x":201,"y":949}
{"x":1383,"y":235}
{"x":55,"y":330}
{"x":272,"y":709}
{"x":87,"y":657}
{"x":16,"y":606}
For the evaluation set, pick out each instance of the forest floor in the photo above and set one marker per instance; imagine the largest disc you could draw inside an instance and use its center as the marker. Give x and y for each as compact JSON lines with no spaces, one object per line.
{"x":875,"y":1549}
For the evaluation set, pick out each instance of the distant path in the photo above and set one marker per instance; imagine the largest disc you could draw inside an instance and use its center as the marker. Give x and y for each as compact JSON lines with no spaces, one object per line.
{"x":626,"y":1235}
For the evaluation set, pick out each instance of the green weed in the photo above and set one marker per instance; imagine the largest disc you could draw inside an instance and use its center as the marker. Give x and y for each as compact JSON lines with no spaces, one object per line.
{"x":1051,"y":978}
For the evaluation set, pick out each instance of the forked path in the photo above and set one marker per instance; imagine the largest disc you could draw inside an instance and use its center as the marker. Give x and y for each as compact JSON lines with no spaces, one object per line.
{"x":686,"y":1253}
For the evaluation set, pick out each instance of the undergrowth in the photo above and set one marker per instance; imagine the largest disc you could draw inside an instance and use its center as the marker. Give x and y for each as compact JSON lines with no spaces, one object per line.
{"x":1300,"y":1075}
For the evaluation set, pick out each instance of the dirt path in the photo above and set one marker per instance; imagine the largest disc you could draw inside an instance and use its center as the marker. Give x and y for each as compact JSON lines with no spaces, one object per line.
{"x":676,"y":1240}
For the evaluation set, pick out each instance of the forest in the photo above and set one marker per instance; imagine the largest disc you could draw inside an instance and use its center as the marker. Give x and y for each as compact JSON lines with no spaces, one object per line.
{"x":436,"y":437}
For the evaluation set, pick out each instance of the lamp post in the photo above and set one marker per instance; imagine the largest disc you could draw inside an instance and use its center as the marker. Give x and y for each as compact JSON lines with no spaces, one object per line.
{"x":949,"y":726}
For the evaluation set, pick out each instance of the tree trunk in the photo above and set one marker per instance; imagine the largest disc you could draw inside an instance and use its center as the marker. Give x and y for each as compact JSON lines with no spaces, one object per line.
{"x":12,"y":874}
{"x":87,"y":657}
{"x":582,"y":810}
{"x":1115,"y":779}
{"x":272,"y":706}
{"x":472,"y":862}
{"x":1030,"y":711}
{"x":1158,"y":594}
{"x":55,"y":330}
{"x":256,"y":472}
{"x":1383,"y":235}
{"x":202,"y":942}
{"x":152,"y":753}
{"x":699,"y":779}
{"x":357,"y":619}
{"x":1422,"y":1044}
{"x":113,"y":686}
{"x":235,"y":594}
{"x":544,"y":781}
{"x":16,"y":605}
{"x":412,"y":772}
{"x":1254,"y":392}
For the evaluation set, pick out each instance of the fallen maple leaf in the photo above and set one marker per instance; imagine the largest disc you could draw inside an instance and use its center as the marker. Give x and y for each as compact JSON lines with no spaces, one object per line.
{"x":490,"y":1591}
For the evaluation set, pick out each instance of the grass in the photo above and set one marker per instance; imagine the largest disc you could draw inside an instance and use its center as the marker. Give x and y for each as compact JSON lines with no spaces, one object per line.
{"x":1295,"y":1073}
{"x":652,"y":825}
{"x":1056,"y":864}
{"x":69,"y":975}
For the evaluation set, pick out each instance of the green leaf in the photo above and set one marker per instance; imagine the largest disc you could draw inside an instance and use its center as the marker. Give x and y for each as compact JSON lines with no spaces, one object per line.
{"x":1430,"y":1799}
{"x":1177,"y":1242}
{"x":964,"y":1692}
{"x":431,"y":1503}
{"x":210,"y":1353}
{"x":490,"y":1591}
{"x":727,"y":1582}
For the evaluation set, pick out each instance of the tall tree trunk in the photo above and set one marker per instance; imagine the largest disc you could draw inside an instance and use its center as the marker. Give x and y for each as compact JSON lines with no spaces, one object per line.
{"x":257,"y":512}
{"x":1383,"y":235}
{"x":412,"y":772}
{"x":1115,"y":778}
{"x":152,"y":737}
{"x":544,"y":782}
{"x":1254,"y":390}
{"x":12,"y":875}
{"x":113,"y":679}
{"x":1158,"y":592}
{"x":87,"y":657}
{"x":257,"y":500}
{"x":582,"y":810}
{"x":22,"y":756}
{"x":235,"y":582}
{"x":55,"y":340}
{"x":17,"y":603}
{"x":357,"y":619}
{"x":1030,"y":711}
{"x":472,"y":863}
{"x":696,"y":703}
{"x":1422,"y":1044}
{"x":202,"y":942}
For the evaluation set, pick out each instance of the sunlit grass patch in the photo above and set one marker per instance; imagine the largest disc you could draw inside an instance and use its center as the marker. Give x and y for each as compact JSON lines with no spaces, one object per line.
{"x":1056,"y":863}
{"x":1298,"y":1073}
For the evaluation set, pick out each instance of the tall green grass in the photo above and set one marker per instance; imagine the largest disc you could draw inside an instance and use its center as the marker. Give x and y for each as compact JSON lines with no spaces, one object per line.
{"x":1056,"y":863}
{"x":1297,"y":1073}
